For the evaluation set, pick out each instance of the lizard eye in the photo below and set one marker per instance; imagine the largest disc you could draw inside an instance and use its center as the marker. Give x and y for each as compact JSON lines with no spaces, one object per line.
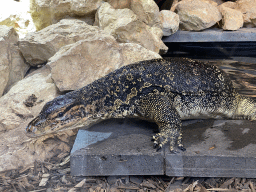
{"x":60,"y":114}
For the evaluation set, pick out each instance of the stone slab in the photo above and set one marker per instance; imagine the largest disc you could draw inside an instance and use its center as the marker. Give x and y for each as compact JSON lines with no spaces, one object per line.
{"x":215,"y":148}
{"x":213,"y":35}
{"x":116,"y":147}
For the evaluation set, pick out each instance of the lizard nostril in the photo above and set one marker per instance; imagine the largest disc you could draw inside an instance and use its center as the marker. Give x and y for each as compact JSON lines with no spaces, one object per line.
{"x":28,"y":128}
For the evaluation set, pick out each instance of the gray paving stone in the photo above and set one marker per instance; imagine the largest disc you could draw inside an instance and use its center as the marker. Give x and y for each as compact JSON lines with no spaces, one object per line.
{"x":215,"y":148}
{"x":213,"y":35}
{"x":220,"y":148}
{"x":116,"y":148}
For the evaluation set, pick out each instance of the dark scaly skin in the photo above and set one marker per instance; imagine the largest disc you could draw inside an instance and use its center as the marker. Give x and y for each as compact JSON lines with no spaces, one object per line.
{"x":155,"y":90}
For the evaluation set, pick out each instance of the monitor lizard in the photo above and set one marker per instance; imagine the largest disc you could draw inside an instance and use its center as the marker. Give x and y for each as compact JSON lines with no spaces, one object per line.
{"x":161,"y":91}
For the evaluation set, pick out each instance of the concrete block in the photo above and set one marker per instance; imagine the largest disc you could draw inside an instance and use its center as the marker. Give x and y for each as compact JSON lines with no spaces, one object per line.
{"x":213,"y":35}
{"x":116,"y":147}
{"x":216,"y":148}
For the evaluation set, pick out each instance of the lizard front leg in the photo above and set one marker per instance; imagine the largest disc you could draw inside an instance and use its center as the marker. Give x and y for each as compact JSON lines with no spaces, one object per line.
{"x":158,"y":108}
{"x":169,"y":133}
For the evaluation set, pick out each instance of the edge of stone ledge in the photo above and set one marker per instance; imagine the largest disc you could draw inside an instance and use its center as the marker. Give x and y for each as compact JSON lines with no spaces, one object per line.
{"x":213,"y":35}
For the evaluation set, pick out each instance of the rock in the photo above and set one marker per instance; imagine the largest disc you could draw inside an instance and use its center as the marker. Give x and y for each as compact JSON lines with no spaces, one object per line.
{"x":13,"y":110}
{"x":158,"y":34}
{"x":212,"y":2}
{"x":47,"y":12}
{"x":17,"y":16}
{"x":197,"y":15}
{"x":17,"y":150}
{"x":219,"y":2}
{"x":229,"y":4}
{"x":133,"y":52}
{"x":38,"y":47}
{"x":232,"y":19}
{"x":119,"y":4}
{"x":126,"y":27}
{"x":147,"y":11}
{"x":12,"y":66}
{"x":81,"y":63}
{"x":170,"y":22}
{"x":248,"y":8}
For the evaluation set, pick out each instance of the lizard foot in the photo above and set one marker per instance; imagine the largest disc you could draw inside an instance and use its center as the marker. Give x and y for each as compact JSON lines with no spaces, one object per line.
{"x":160,"y":140}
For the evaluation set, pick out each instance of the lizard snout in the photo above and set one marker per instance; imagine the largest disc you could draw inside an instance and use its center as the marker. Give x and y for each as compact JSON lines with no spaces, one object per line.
{"x":30,"y":131}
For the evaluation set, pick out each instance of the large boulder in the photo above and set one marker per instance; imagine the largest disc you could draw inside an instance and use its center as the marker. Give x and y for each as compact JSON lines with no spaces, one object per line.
{"x":39,"y":46}
{"x":12,"y":66}
{"x":170,"y":22}
{"x":126,"y":27}
{"x":197,"y":15}
{"x":47,"y":12}
{"x":232,"y":19}
{"x":81,"y":63}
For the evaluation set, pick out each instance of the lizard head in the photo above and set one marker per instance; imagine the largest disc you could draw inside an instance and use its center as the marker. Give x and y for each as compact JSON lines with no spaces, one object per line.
{"x":62,"y":113}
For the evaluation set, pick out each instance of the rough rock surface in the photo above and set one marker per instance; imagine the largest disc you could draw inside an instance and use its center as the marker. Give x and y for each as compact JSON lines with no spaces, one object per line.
{"x":133,"y":52}
{"x":47,"y":12}
{"x":229,"y":4}
{"x":12,"y":66}
{"x":232,"y":19}
{"x":170,"y":22}
{"x":197,"y":15}
{"x":126,"y":27}
{"x":248,"y":8}
{"x":219,"y":2}
{"x":212,"y":2}
{"x":38,"y":47}
{"x":119,"y":4}
{"x":17,"y":150}
{"x":81,"y":63}
{"x":13,"y":109}
{"x":147,"y":11}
